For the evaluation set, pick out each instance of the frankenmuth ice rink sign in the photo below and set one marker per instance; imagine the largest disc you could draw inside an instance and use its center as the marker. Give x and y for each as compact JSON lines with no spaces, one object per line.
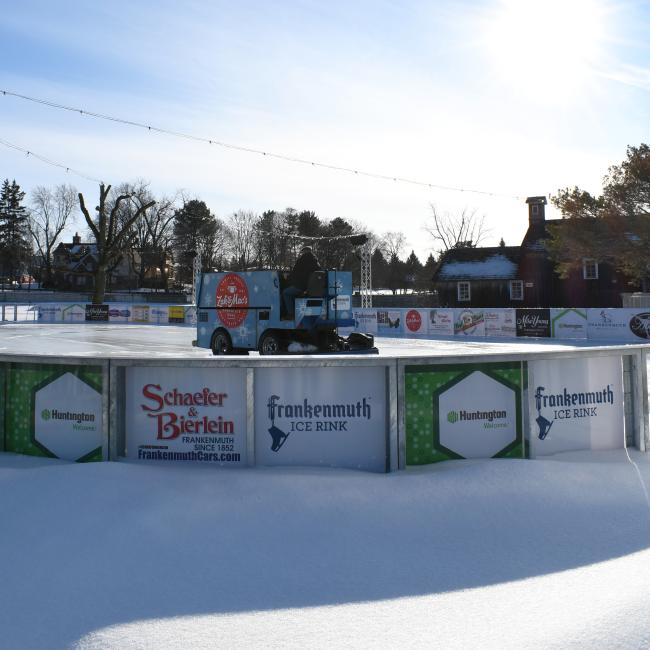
{"x":321,"y":417}
{"x":575,"y":404}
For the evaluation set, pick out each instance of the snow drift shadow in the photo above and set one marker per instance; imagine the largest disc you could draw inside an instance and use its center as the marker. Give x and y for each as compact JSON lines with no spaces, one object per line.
{"x":90,"y":546}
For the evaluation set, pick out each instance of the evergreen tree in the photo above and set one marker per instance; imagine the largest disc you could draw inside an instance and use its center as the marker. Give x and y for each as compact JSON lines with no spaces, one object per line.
{"x":412,"y":270}
{"x":14,"y":231}
{"x":197,"y":231}
{"x":379,"y":270}
{"x":426,"y":275}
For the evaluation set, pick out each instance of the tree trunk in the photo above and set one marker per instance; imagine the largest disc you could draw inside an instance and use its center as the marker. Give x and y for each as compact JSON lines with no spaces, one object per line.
{"x":100,"y":285}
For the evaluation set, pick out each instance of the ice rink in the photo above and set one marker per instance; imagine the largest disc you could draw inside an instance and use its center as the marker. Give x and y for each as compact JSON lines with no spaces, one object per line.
{"x":175,"y":342}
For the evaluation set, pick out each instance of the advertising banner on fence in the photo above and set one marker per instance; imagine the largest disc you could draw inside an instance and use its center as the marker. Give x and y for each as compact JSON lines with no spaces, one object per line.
{"x":176,"y":314}
{"x":575,"y":404}
{"x":97,"y":313}
{"x":441,"y":322}
{"x":415,"y":322}
{"x":500,"y":323}
{"x":469,"y":322}
{"x":74,"y":313}
{"x":183,"y":414}
{"x":159,"y":314}
{"x":55,"y":411}
{"x":119,"y":313}
{"x":190,"y":315}
{"x":619,"y":324}
{"x":463,"y":411}
{"x":534,"y":322}
{"x":50,"y":312}
{"x":139,"y":313}
{"x":389,"y":321}
{"x":568,"y":323}
{"x":365,"y":320}
{"x":332,"y":417}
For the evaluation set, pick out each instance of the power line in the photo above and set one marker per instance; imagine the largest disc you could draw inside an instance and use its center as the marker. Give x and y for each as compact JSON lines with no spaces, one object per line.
{"x":268,"y":154}
{"x":47,"y":161}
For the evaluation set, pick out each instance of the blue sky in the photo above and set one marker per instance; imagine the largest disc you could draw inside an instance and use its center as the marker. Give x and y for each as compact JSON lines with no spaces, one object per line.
{"x":509,"y":96}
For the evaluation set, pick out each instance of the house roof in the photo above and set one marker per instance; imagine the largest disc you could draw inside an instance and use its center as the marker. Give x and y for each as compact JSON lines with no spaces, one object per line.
{"x":489,"y":263}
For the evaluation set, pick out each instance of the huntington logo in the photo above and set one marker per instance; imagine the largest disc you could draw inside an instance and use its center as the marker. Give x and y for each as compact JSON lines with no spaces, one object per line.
{"x":45,"y":414}
{"x":452,"y":417}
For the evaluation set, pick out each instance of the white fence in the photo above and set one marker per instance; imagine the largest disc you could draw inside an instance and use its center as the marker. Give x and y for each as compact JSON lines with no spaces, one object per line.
{"x":627,"y":324}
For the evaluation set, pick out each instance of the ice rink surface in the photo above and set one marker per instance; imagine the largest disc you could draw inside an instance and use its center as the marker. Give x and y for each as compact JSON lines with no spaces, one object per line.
{"x":175,"y":342}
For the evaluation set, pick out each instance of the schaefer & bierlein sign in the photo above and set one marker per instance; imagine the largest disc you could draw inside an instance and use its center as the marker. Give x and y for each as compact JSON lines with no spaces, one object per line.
{"x":182,"y":414}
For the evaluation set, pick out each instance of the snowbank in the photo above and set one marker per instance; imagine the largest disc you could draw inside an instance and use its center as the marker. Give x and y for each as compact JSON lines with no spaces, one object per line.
{"x":499,"y":553}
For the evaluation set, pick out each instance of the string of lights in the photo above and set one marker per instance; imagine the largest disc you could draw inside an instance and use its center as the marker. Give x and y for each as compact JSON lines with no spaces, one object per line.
{"x":268,"y":154}
{"x":47,"y":161}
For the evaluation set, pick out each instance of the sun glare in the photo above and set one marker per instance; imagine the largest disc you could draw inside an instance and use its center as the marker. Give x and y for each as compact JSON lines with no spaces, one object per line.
{"x":556,"y":42}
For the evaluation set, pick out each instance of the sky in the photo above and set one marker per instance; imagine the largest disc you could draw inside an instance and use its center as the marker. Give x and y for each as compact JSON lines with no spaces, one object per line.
{"x":511,"y":98}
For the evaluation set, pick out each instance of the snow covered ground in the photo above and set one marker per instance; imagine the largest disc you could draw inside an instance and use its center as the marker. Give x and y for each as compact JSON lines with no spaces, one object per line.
{"x":463,"y":554}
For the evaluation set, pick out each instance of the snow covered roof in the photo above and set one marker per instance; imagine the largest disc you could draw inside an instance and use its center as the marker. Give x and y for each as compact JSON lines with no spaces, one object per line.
{"x":479,"y":263}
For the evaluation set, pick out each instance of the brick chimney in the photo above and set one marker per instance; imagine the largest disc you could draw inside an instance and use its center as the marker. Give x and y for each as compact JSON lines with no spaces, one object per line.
{"x":536,"y":215}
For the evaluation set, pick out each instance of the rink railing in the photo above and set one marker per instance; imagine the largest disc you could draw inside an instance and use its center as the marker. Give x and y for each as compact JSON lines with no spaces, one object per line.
{"x":625,"y":324}
{"x":364,"y":412}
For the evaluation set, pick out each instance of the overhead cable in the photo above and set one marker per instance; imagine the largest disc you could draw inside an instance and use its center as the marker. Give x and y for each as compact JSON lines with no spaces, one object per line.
{"x":268,"y":154}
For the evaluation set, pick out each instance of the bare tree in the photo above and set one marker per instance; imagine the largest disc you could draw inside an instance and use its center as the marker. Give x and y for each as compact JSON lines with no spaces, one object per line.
{"x":241,"y":227}
{"x":149,"y":239}
{"x":50,"y":212}
{"x":392,"y":243}
{"x":466,"y":230}
{"x":109,"y":233}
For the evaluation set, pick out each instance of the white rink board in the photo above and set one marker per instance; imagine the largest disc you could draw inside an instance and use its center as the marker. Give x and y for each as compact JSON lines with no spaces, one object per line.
{"x":332,"y":417}
{"x":575,"y":404}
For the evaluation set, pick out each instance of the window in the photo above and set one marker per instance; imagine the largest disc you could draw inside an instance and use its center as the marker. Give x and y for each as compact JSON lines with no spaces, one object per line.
{"x":516,"y":290}
{"x":463,"y":292}
{"x":535,"y":209}
{"x":589,"y":269}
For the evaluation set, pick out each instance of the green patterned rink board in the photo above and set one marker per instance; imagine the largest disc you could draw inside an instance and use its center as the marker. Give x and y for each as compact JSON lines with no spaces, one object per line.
{"x":427,"y":387}
{"x":22,"y":382}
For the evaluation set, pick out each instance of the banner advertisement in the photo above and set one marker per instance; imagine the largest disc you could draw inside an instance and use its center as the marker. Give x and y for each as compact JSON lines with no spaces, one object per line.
{"x":74,"y":313}
{"x":365,"y":320}
{"x":190,"y":315}
{"x":139,"y":313}
{"x":619,"y":324}
{"x":441,"y":322}
{"x":96,"y":313}
{"x":568,"y":323}
{"x":415,"y":321}
{"x":119,"y":313}
{"x":469,"y":322}
{"x":159,"y":315}
{"x":50,"y":312}
{"x":54,"y":411}
{"x":334,"y":417}
{"x":389,"y":321}
{"x":176,"y":314}
{"x":186,"y":414}
{"x":500,"y":323}
{"x":534,"y":322}
{"x":463,"y":411}
{"x":575,"y":404}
